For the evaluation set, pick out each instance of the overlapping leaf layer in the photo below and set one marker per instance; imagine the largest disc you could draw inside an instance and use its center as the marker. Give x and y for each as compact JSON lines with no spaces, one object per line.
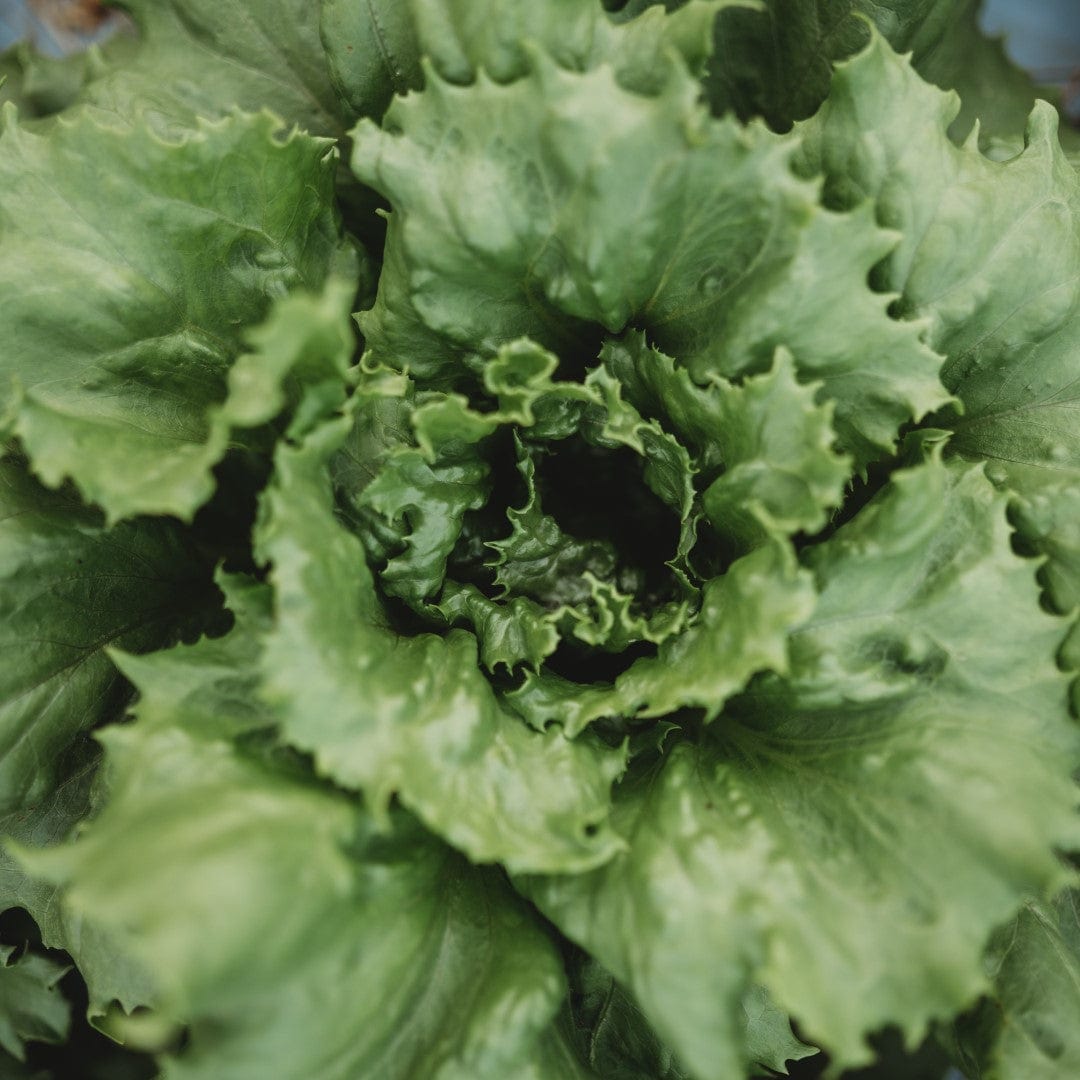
{"x":655,"y":627}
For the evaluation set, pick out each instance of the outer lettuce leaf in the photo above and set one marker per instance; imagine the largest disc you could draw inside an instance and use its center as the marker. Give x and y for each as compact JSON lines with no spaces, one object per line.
{"x":208,"y":687}
{"x":1011,"y":337}
{"x":562,"y":203}
{"x":157,"y":253}
{"x":1029,"y":1028}
{"x":208,"y":57}
{"x":412,"y":715}
{"x":606,"y":1026}
{"x":110,"y":976}
{"x":69,"y":588}
{"x":41,"y":86}
{"x":661,"y":918}
{"x":374,"y":49}
{"x":776,"y":61}
{"x":295,"y":938}
{"x":800,"y":842}
{"x":31,"y":1006}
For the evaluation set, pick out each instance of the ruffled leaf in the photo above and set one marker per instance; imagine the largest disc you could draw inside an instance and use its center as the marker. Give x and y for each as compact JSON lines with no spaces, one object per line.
{"x":374,"y":49}
{"x":776,"y":61}
{"x":742,"y":628}
{"x":158,"y":253}
{"x":1011,"y":338}
{"x":781,"y":474}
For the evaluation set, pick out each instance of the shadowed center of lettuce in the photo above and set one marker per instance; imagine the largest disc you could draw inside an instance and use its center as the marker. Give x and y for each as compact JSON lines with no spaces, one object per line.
{"x":548,"y":517}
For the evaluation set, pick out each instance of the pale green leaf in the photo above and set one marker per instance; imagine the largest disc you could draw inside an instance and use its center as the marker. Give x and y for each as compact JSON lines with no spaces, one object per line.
{"x":208,"y":57}
{"x":781,"y":472}
{"x":158,"y":253}
{"x":299,"y":359}
{"x":294,"y":937}
{"x":664,"y":917}
{"x":1010,"y":338}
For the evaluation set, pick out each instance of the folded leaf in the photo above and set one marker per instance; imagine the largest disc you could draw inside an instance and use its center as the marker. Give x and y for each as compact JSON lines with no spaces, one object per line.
{"x":782,"y":475}
{"x":742,"y":628}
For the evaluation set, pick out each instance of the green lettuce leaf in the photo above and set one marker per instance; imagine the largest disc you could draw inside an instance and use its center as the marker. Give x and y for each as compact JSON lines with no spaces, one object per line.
{"x":70,"y":588}
{"x":293,"y":936}
{"x":429,"y":510}
{"x":412,"y":715}
{"x":41,"y":86}
{"x":158,"y":253}
{"x":802,"y":834}
{"x":562,"y":204}
{"x":742,"y":628}
{"x":208,"y":57}
{"x":776,"y":61}
{"x":1010,"y":338}
{"x":32,"y":1009}
{"x":782,"y":475}
{"x":374,"y":49}
{"x":299,"y":360}
{"x":209,"y":687}
{"x":604,"y":1024}
{"x":110,"y":976}
{"x":1029,"y":1026}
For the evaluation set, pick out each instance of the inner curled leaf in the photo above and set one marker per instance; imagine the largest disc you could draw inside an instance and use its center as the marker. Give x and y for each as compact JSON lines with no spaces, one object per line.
{"x":574,"y":525}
